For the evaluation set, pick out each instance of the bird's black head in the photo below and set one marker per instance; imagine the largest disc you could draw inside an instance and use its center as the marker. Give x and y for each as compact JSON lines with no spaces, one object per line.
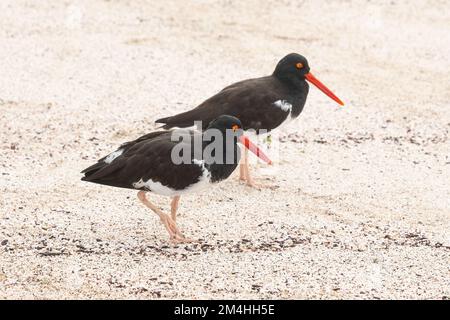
{"x":292,"y":67}
{"x":231,"y":130}
{"x":224,"y":122}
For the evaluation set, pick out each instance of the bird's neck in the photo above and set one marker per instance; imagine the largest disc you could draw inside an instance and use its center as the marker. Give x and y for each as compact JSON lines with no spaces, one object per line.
{"x":297,"y":91}
{"x":292,"y":82}
{"x":221,"y":158}
{"x":220,"y":172}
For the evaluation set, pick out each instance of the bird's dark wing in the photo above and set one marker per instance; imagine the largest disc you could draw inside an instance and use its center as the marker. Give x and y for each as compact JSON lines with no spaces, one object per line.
{"x":123,"y":147}
{"x":144,"y":159}
{"x":250,"y":100}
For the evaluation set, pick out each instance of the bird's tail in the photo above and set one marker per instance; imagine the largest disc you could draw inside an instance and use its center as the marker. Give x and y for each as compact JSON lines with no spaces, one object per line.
{"x":89,"y":171}
{"x":165,"y":123}
{"x":181,"y":120}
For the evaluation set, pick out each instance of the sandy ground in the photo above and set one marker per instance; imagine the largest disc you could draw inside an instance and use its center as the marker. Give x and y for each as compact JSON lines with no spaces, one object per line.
{"x":362,"y":208}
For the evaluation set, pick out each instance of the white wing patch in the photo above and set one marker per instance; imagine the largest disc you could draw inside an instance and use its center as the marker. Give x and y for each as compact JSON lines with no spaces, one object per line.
{"x":159,"y":188}
{"x":283,"y":105}
{"x":110,"y":158}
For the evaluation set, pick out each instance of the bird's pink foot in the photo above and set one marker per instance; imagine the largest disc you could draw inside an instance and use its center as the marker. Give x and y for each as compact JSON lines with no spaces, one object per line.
{"x":176,"y":236}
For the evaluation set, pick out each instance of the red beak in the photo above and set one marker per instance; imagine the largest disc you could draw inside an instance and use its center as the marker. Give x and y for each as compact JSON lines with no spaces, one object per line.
{"x":322,"y":87}
{"x":253,"y":148}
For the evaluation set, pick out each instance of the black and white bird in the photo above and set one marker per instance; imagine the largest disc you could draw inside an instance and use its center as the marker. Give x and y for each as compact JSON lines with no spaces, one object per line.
{"x":150,"y":164}
{"x":261,"y":104}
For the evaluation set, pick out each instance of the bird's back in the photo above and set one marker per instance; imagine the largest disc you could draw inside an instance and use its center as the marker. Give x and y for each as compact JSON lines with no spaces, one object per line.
{"x":250,"y":100}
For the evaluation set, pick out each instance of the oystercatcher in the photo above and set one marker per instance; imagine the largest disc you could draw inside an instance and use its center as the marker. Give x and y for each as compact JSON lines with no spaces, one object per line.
{"x":261,"y":103}
{"x":168,"y":163}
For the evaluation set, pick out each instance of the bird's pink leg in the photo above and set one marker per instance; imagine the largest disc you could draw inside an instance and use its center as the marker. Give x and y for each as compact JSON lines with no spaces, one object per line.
{"x":247,"y":177}
{"x":169,"y":224}
{"x":243,"y":167}
{"x":174,"y":207}
{"x":173,"y":214}
{"x":244,"y":170}
{"x":249,"y":180}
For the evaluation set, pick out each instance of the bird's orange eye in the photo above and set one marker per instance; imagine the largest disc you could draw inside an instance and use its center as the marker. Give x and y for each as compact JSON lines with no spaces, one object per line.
{"x":235,"y":127}
{"x":299,"y":65}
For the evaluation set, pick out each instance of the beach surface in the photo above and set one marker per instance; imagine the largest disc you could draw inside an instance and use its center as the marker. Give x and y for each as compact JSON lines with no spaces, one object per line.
{"x":360,"y":199}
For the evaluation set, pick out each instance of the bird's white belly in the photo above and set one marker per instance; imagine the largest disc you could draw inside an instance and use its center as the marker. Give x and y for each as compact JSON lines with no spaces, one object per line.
{"x":158,"y":188}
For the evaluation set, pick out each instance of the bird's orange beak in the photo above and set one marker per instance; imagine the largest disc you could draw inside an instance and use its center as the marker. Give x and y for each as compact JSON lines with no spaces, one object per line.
{"x":309,"y":76}
{"x":253,"y":148}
